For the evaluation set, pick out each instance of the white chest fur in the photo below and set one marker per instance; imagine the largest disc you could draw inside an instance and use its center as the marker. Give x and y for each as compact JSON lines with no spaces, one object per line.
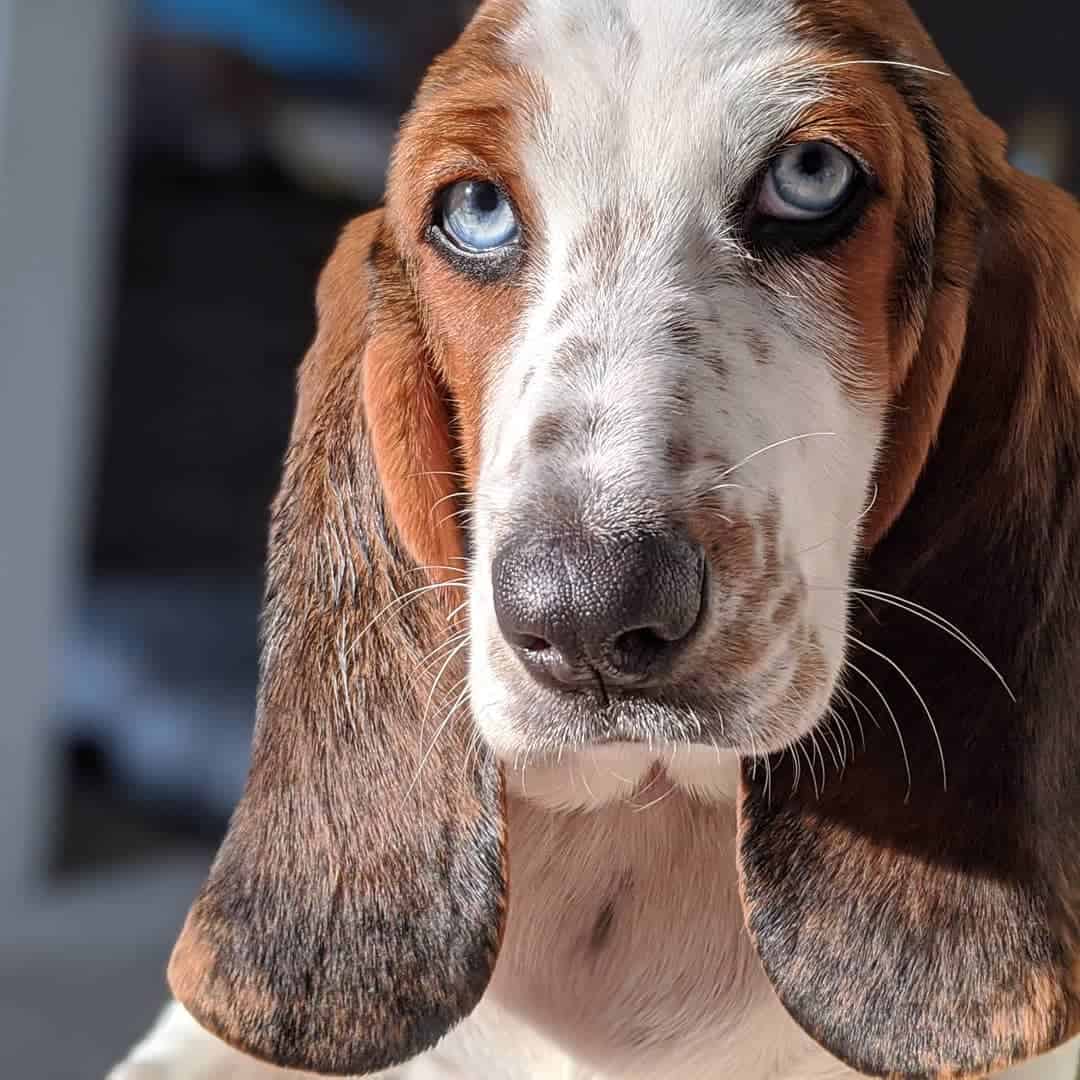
{"x":626,"y":942}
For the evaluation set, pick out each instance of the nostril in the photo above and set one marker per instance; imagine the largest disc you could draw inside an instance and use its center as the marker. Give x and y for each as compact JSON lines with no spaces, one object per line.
{"x":644,"y":640}
{"x":637,"y":649}
{"x":530,"y":643}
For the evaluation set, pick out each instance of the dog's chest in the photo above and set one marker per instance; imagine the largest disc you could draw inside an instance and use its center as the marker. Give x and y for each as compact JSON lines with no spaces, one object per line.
{"x":626,"y":944}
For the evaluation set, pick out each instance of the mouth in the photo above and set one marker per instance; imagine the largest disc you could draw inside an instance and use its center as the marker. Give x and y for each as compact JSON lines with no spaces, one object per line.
{"x":763,"y":712}
{"x":642,"y":718}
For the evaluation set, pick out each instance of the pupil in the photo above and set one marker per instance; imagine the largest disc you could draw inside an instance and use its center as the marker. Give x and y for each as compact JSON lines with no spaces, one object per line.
{"x":813,"y":161}
{"x":485,"y":198}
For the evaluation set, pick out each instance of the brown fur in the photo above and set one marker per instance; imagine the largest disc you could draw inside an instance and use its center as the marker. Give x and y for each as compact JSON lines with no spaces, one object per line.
{"x":934,"y":933}
{"x":352,"y":915}
{"x":466,"y":124}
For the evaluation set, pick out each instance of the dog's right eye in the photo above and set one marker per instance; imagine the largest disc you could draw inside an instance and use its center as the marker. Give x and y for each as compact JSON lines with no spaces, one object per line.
{"x":477,"y":218}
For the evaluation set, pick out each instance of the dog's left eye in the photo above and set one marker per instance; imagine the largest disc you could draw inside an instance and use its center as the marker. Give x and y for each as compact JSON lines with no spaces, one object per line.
{"x":476,"y":217}
{"x":808,"y":182}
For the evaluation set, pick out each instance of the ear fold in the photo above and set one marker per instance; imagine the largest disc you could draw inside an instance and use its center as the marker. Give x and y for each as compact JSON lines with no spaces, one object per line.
{"x":918,"y":912}
{"x":409,"y":425}
{"x":355,"y":909}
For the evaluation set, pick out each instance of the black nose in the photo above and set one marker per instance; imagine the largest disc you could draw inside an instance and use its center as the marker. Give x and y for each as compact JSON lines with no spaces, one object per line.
{"x":581,"y":609}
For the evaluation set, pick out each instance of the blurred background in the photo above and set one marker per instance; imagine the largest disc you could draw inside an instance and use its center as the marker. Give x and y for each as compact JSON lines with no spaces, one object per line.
{"x":173,"y":174}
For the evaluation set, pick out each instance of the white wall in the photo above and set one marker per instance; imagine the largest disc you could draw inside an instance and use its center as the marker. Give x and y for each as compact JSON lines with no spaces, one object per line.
{"x":58,"y":68}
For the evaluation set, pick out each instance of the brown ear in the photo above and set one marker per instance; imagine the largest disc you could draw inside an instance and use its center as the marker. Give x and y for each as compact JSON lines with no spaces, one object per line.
{"x":922,"y":918}
{"x":355,"y":909}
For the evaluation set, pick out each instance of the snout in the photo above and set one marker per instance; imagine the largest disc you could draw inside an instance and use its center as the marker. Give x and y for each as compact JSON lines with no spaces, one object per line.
{"x":601,"y":611}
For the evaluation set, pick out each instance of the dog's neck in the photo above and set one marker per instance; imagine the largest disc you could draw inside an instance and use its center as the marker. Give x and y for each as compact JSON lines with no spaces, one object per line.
{"x":625,"y":941}
{"x":624,"y":774}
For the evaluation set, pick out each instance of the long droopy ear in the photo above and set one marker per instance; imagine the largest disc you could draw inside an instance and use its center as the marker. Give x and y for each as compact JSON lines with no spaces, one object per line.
{"x":918,"y":911}
{"x":355,"y":909}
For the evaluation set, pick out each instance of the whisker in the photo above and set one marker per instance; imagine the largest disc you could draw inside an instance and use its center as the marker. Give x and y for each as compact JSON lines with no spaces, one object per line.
{"x":943,"y":624}
{"x":431,"y":749}
{"x":723,"y":487}
{"x":838,"y":755}
{"x":813,"y":771}
{"x":848,"y":737}
{"x":472,"y":751}
{"x":454,"y":653}
{"x":447,"y":498}
{"x":407,"y":598}
{"x":775,"y":446}
{"x":922,"y":701}
{"x":846,"y":528}
{"x":426,"y":660}
{"x":584,"y":780}
{"x":819,"y":756}
{"x":796,"y":768}
{"x":457,"y":611}
{"x":895,"y":723}
{"x":457,"y":515}
{"x":854,"y":703}
{"x":830,"y":744}
{"x":454,"y":475}
{"x":657,"y":773}
{"x":657,"y":801}
{"x":447,"y":569}
{"x":883,"y":63}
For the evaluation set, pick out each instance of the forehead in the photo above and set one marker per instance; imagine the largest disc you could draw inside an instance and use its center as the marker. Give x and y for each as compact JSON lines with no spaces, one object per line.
{"x":637,"y":92}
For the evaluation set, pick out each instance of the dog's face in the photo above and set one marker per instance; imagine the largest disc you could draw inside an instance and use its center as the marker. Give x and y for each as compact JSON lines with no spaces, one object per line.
{"x":674,"y":306}
{"x":693,"y":221}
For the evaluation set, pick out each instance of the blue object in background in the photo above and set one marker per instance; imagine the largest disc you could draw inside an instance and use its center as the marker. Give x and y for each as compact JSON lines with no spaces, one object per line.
{"x":295,"y":38}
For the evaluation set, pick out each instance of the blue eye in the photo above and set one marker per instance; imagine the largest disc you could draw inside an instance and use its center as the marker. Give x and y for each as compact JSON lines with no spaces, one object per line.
{"x":808,"y":182}
{"x":477,"y":217}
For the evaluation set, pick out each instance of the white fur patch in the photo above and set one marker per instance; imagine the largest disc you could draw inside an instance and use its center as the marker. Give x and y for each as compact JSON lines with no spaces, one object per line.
{"x":657,"y":118}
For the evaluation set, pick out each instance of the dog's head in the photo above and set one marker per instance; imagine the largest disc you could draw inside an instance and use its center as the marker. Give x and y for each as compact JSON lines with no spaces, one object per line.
{"x":704,"y":355}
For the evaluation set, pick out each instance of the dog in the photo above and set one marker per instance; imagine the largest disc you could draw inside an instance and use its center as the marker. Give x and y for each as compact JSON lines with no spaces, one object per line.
{"x":671,"y":649}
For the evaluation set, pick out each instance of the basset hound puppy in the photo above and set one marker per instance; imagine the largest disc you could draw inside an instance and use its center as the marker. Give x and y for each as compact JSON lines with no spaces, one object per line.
{"x":671,"y":653}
